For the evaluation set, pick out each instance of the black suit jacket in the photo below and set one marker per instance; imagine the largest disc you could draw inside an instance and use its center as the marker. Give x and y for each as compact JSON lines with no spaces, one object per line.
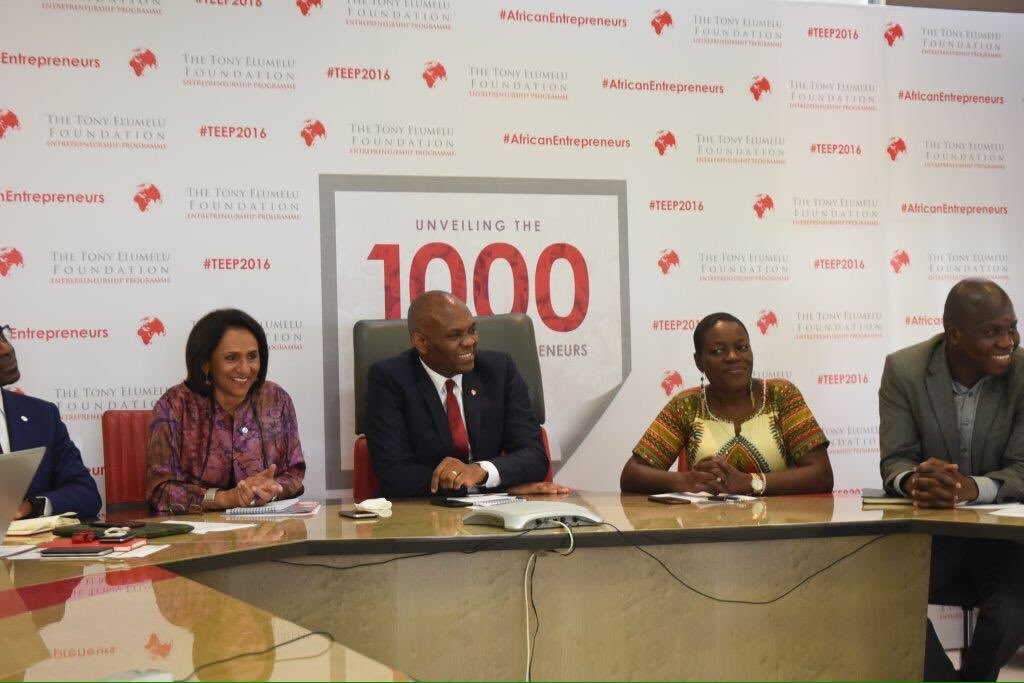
{"x":61,"y":477}
{"x":407,"y":427}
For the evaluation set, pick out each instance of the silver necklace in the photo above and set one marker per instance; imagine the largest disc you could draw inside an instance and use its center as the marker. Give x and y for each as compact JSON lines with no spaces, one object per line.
{"x":753,"y":403}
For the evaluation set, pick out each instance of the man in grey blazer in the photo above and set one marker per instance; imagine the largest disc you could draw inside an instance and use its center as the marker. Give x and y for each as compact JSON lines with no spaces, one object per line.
{"x":952,"y":432}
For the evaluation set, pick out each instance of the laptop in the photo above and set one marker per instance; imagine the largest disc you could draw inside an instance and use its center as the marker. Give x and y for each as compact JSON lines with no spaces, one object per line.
{"x":16,"y":471}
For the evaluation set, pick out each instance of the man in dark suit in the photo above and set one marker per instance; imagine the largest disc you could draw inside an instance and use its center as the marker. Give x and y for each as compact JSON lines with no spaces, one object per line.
{"x":62,"y":483}
{"x":952,"y":432}
{"x":447,"y":416}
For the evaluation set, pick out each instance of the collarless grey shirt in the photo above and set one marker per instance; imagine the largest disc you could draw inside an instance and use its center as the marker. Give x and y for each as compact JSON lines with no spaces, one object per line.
{"x":965,"y":400}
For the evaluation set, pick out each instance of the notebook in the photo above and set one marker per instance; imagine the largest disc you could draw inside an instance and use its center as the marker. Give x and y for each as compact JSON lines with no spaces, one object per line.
{"x":881,"y":497}
{"x":16,"y":471}
{"x":279,"y":508}
{"x":488,"y":499}
{"x":130,"y":544}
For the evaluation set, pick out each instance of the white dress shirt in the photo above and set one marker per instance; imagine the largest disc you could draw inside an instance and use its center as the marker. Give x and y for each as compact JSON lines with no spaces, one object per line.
{"x":439,"y":380}
{"x":5,"y":438}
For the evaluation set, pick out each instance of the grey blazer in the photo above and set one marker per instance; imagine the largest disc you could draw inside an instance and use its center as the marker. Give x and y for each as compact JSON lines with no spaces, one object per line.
{"x":918,"y":418}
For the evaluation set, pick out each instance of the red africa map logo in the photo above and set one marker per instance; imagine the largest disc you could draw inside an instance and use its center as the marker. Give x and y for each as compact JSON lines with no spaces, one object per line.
{"x":434,"y":72}
{"x":896,"y":147}
{"x":9,"y":258}
{"x":156,"y":648}
{"x":312,"y":130}
{"x":763,"y":204}
{"x":663,"y":141}
{"x":760,"y":87}
{"x":893,"y":32}
{"x":8,"y":120}
{"x":146,"y":194}
{"x":304,"y":5}
{"x":141,"y":60}
{"x":899,"y":259}
{"x":671,"y":382}
{"x":765,"y":320}
{"x":662,"y":20}
{"x":668,"y":259}
{"x":150,"y":328}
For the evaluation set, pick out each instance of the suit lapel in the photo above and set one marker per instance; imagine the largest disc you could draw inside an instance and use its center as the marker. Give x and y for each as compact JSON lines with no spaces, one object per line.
{"x":17,"y":428}
{"x":939,"y":385}
{"x":471,"y":389}
{"x":993,"y":394}
{"x":433,"y":401}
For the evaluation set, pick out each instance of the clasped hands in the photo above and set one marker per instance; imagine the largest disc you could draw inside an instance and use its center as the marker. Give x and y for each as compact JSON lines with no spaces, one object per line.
{"x":939,"y":484}
{"x":259,"y":489}
{"x":714,"y":476}
{"x":452,"y":473}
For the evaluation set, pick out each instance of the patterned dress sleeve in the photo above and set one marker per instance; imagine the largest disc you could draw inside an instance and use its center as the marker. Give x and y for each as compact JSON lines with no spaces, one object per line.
{"x":291,"y":467}
{"x":666,"y":438}
{"x":166,"y":485}
{"x":800,"y":431}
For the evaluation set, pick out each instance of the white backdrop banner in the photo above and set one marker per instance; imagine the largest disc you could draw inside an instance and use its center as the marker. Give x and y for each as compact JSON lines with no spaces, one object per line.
{"x":617,"y":170}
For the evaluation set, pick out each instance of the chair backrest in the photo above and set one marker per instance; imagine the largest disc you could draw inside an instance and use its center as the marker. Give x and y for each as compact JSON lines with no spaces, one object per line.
{"x":375,"y":340}
{"x":125,"y":437}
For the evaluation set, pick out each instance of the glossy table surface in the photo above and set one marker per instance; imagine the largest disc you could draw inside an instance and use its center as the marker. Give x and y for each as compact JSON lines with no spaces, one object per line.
{"x":415,"y":524}
{"x":92,"y":618}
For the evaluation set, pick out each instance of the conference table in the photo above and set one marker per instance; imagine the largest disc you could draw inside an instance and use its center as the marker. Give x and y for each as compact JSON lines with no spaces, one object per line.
{"x":788,"y":587}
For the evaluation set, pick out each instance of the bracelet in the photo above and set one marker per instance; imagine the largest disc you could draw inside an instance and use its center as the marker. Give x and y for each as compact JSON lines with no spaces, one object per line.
{"x":209,"y":496}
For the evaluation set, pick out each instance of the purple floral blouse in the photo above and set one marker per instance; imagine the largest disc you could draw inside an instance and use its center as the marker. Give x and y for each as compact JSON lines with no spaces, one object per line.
{"x":262,"y":432}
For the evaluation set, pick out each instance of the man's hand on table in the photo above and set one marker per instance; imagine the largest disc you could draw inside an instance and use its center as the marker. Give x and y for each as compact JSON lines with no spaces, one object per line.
{"x":938,"y":484}
{"x":539,"y":488}
{"x":454,"y":474}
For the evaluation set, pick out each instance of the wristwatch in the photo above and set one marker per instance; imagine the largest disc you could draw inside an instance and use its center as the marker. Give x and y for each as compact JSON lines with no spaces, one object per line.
{"x":209,"y":496}
{"x":757,"y":483}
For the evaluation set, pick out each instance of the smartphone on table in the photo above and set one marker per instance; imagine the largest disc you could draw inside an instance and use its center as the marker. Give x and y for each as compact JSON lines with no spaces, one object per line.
{"x":358,"y":514}
{"x":668,"y":500}
{"x":450,"y":503}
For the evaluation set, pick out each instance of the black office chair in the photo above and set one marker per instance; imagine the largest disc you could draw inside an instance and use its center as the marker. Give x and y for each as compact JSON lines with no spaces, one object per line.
{"x":374,"y":340}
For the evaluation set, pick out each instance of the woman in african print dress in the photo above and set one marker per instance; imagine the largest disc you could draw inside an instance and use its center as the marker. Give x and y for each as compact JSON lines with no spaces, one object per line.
{"x":737,"y":434}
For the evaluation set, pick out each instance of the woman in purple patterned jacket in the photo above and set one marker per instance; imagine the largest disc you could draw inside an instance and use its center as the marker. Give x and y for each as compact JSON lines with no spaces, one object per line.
{"x":225,"y":437}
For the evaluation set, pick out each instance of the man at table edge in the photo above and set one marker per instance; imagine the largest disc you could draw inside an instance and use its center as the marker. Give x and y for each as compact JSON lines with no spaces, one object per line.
{"x":951,"y":432}
{"x":62,"y":483}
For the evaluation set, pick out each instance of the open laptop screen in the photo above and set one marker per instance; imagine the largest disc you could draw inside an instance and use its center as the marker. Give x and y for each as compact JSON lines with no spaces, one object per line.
{"x":16,"y":471}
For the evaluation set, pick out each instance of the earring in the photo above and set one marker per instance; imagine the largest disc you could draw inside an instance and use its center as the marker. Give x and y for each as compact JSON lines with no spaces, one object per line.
{"x":206,"y":377}
{"x":704,"y":397}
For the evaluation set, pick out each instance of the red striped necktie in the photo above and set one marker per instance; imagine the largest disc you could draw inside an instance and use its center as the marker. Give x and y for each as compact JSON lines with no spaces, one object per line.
{"x":460,"y":437}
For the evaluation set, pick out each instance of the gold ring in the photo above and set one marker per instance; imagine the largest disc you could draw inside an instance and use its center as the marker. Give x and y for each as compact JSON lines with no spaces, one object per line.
{"x":455,"y":473}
